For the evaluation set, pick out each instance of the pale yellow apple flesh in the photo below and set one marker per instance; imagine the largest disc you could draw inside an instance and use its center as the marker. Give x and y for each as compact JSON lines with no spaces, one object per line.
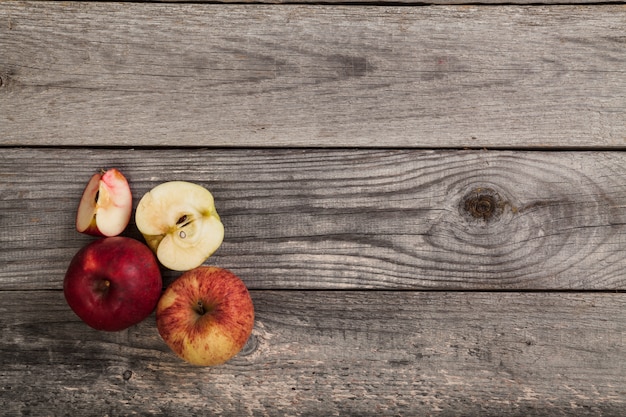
{"x":180,"y":224}
{"x":106,"y":205}
{"x":206,"y":316}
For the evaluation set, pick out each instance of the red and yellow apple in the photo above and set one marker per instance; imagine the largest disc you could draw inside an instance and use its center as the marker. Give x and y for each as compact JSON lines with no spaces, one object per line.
{"x":179,"y":222}
{"x":206,"y":315}
{"x":106,"y":205}
{"x":113,"y":283}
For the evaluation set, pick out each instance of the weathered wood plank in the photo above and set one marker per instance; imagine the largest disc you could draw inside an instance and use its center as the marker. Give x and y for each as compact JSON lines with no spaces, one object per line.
{"x":396,"y":2}
{"x":331,"y":353}
{"x":233,"y":75}
{"x":354,"y":219}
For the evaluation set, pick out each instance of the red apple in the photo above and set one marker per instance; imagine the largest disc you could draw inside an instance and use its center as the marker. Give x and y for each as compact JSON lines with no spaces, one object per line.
{"x":113,"y":283}
{"x":206,"y":315}
{"x":106,"y":205}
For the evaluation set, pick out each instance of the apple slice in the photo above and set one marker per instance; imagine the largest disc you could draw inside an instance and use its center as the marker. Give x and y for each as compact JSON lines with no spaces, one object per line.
{"x":106,"y":205}
{"x":180,"y":224}
{"x":206,"y":315}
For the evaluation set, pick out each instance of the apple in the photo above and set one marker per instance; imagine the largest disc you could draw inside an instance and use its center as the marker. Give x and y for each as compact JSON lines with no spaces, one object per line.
{"x":106,"y":205}
{"x":113,"y":283}
{"x":206,"y":315}
{"x":179,"y":222}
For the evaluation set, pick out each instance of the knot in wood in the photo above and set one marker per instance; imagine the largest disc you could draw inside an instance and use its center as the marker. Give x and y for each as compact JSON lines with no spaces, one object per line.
{"x":5,"y":79}
{"x":250,"y":347}
{"x":482,"y":204}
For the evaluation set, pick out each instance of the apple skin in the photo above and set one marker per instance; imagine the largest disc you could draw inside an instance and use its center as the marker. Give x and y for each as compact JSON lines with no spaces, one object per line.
{"x":113,"y":283}
{"x":206,"y":315}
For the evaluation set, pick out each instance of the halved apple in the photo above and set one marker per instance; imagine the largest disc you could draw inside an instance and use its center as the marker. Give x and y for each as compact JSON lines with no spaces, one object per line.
{"x":180,"y":224}
{"x":106,"y":205}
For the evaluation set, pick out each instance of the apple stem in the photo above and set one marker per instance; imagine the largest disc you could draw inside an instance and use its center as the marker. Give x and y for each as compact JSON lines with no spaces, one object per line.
{"x":103,"y":285}
{"x":200,"y":308}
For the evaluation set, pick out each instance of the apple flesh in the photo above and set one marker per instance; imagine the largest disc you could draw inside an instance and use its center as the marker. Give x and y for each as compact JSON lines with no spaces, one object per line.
{"x":206,"y":316}
{"x":113,"y":283}
{"x":179,"y":222}
{"x":106,"y":205}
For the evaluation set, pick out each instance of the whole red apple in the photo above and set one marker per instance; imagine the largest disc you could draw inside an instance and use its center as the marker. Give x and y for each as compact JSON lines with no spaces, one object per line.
{"x":113,"y":283}
{"x":206,"y":315}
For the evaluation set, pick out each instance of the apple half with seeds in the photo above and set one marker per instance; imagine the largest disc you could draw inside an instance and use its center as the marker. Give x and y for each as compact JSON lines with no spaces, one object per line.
{"x":179,"y":222}
{"x":106,"y":205}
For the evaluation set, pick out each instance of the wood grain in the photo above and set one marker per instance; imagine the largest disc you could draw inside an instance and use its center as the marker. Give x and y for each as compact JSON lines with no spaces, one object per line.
{"x":348,"y":219}
{"x":392,"y":272}
{"x":418,"y":3}
{"x":331,"y":353}
{"x":133,"y":74}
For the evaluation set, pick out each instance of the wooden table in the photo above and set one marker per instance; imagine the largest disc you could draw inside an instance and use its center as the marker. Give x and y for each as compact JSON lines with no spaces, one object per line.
{"x":427,"y":202}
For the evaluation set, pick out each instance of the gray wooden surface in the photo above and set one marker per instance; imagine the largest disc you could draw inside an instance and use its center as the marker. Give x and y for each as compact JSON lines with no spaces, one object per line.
{"x":133,"y":74}
{"x":350,"y":219}
{"x":332,"y":353}
{"x":401,"y":263}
